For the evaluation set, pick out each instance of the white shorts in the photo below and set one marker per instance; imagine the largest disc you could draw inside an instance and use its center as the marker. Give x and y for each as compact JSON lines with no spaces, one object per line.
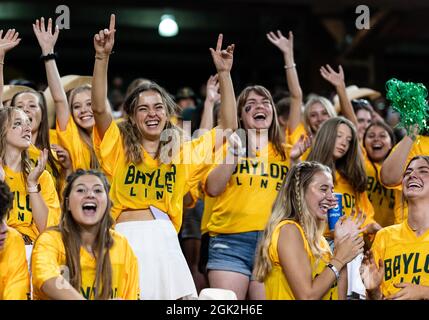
{"x":164,"y":273}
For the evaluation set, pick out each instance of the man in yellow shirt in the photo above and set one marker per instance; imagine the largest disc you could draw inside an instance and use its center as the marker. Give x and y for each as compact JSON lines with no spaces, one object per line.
{"x":14,"y":276}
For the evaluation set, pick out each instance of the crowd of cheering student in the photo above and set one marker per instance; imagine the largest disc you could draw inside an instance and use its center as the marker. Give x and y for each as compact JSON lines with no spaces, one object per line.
{"x":98,"y":206}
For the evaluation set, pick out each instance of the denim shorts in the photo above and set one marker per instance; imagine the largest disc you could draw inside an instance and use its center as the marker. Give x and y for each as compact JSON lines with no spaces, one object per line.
{"x":233,"y":252}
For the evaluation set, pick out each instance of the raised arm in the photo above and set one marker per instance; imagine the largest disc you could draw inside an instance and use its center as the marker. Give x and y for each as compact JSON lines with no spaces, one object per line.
{"x":337,"y":80}
{"x":8,"y":42}
{"x":223,"y":60}
{"x":394,"y":166}
{"x":103,"y":44}
{"x":286,"y":47}
{"x":47,"y":41}
{"x":212,"y":96}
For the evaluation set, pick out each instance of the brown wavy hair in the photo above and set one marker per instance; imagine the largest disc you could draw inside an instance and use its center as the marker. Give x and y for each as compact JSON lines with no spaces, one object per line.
{"x":131,"y":135}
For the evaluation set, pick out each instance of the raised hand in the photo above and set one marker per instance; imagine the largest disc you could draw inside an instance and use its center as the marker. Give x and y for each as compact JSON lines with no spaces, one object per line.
{"x":371,"y":274}
{"x":222,"y":58}
{"x":330,"y":75}
{"x":281,"y":42}
{"x":9,"y":41}
{"x":300,"y":147}
{"x":212,"y":91}
{"x":44,"y":36}
{"x":105,"y":39}
{"x":34,"y":175}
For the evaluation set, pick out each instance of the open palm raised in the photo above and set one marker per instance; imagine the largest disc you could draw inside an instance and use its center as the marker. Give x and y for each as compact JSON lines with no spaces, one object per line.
{"x":9,"y":41}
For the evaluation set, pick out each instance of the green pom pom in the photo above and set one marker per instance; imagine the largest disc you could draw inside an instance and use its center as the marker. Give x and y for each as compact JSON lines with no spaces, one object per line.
{"x":409,"y":100}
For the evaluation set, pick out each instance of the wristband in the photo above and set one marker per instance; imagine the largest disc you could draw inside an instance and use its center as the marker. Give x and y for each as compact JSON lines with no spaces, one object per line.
{"x":334,"y":270}
{"x":34,"y":189}
{"x":49,"y":56}
{"x":290,"y":67}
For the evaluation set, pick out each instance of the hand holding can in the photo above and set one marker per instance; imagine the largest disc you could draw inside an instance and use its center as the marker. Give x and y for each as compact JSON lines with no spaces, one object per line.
{"x":335,"y":213}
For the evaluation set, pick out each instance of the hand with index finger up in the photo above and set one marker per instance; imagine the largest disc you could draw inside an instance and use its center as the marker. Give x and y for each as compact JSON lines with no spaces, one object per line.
{"x":222,"y":58}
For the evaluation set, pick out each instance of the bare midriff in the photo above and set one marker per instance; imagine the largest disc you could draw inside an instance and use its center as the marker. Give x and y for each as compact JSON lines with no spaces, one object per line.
{"x":135,"y":215}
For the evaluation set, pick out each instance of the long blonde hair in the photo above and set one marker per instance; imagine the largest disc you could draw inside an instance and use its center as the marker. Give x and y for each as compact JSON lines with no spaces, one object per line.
{"x":290,"y":205}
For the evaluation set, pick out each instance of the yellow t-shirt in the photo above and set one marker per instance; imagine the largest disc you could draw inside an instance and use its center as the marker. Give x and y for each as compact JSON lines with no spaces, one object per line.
{"x":49,"y":259}
{"x":53,"y":136}
{"x":70,"y":139}
{"x":276,"y":284}
{"x":405,"y":256}
{"x":245,"y":205}
{"x":21,"y":217}
{"x":150,"y":183}
{"x":382,"y":199}
{"x":293,"y":137}
{"x":14,"y":276}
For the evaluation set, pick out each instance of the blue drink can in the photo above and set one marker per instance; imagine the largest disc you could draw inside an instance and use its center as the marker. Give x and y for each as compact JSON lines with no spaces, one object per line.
{"x":335,"y":213}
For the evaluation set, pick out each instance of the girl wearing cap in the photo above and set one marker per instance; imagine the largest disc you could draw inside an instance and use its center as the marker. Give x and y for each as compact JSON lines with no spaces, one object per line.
{"x":83,"y":258}
{"x":294,"y":259}
{"x":396,"y":266}
{"x":75,"y":119}
{"x":147,"y":186}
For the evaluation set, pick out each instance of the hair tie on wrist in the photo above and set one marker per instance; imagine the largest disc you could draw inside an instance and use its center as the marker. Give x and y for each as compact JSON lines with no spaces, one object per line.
{"x":49,"y":56}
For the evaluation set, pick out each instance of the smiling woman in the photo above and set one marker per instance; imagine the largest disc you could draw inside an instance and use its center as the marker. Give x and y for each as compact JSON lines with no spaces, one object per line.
{"x":396,"y":266}
{"x":100,"y":263}
{"x":75,"y":119}
{"x":36,"y":204}
{"x":34,"y":105}
{"x":294,"y":259}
